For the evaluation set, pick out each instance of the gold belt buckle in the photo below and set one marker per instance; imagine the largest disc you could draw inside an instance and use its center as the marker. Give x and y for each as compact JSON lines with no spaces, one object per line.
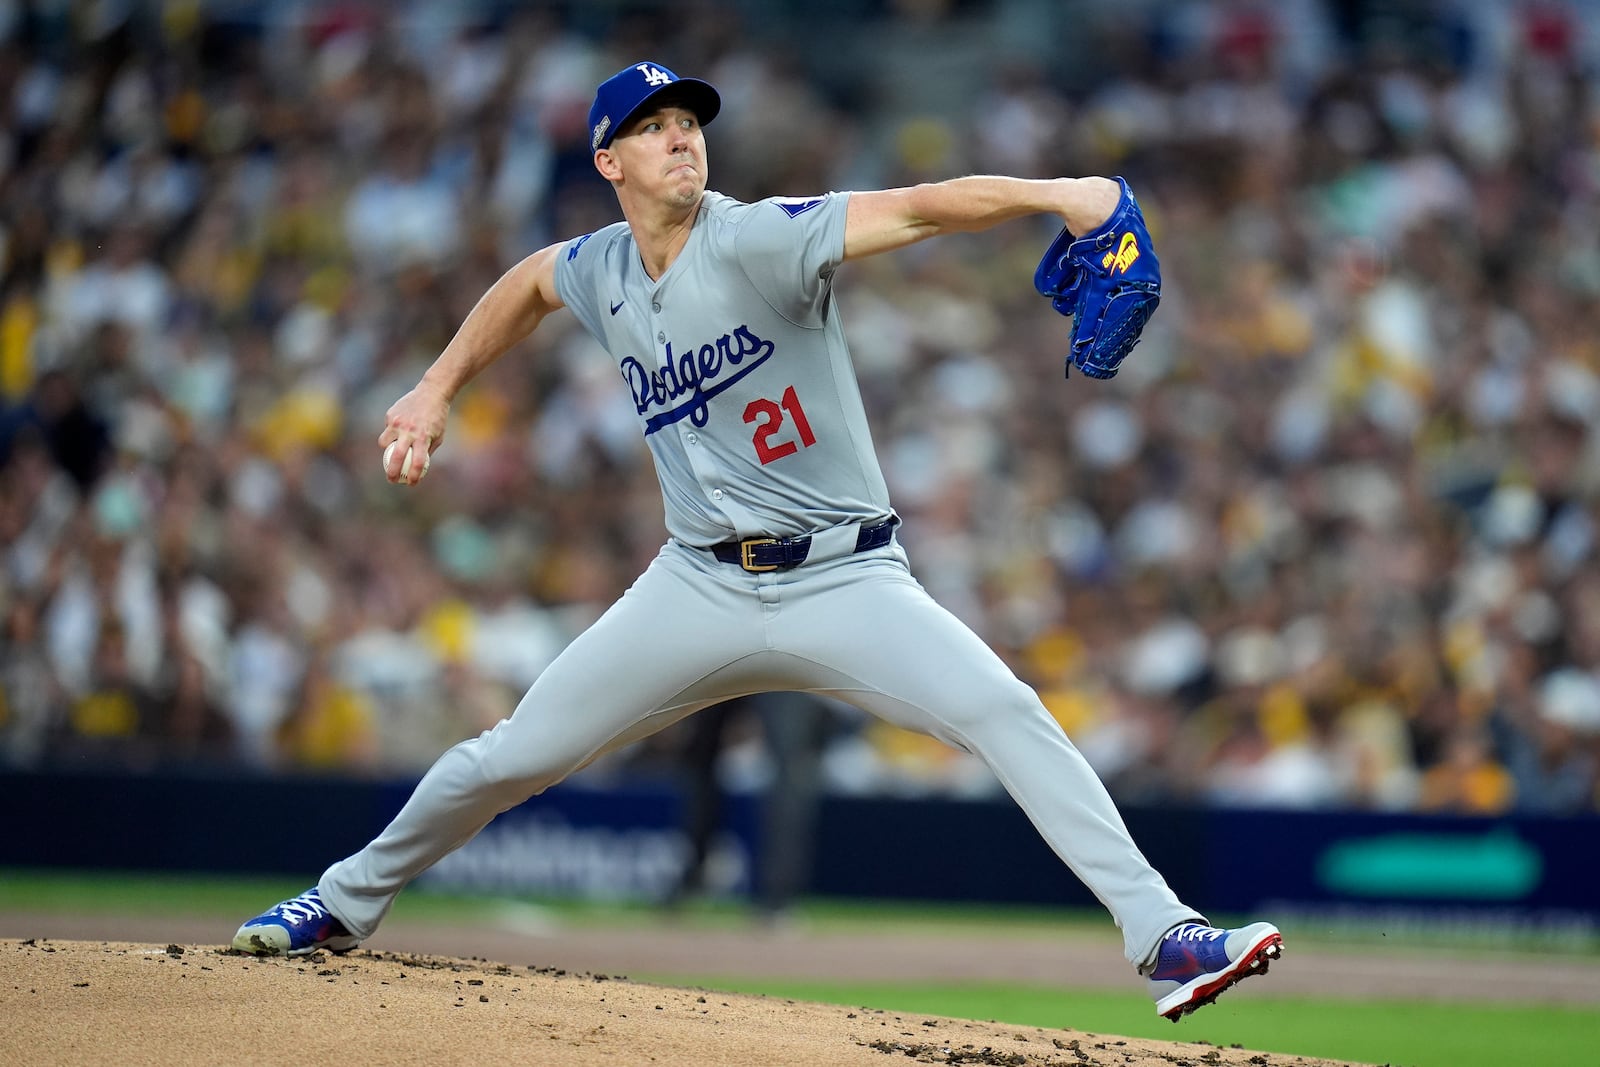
{"x":747,"y":561}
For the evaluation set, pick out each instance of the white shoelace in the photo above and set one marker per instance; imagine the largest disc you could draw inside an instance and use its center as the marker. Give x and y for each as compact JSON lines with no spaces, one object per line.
{"x":1196,"y":932}
{"x":303,"y":908}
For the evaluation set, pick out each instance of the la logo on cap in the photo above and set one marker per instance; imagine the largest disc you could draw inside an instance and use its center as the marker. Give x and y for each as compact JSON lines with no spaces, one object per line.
{"x":653,"y":75}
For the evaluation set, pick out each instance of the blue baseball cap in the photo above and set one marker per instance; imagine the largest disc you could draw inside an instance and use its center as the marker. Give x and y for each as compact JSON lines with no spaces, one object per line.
{"x":622,"y":95}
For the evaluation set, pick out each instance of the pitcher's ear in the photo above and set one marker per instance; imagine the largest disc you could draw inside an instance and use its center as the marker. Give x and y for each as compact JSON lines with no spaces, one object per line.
{"x":607,"y":164}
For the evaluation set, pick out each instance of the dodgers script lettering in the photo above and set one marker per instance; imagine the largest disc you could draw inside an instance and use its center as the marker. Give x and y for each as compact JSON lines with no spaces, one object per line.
{"x":684,"y":385}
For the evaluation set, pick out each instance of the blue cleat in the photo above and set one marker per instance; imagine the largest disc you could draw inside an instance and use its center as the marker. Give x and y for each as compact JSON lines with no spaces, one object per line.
{"x":1197,"y":962}
{"x":299,"y":926}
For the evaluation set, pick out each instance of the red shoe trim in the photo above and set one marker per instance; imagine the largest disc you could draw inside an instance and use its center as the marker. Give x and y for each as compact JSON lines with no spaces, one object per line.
{"x":1243,"y":967}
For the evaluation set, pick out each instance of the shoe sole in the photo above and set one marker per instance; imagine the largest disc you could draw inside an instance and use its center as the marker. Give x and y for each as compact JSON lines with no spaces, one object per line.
{"x":1254,"y":960}
{"x":250,"y":941}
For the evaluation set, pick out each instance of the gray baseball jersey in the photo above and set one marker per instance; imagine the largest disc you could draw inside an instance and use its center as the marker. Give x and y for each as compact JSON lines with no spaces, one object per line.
{"x":737,"y":365}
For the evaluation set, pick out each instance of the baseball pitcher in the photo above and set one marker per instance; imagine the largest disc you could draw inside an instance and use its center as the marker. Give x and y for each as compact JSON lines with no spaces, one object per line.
{"x":782,"y":570}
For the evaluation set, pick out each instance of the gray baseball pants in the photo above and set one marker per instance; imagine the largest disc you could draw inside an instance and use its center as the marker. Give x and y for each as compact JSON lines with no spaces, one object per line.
{"x":693,"y":631}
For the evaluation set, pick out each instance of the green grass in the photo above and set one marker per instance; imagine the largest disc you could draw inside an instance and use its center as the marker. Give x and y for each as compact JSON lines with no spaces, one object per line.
{"x":131,"y":893}
{"x":139,"y":893}
{"x":1405,"y":1034}
{"x":123,"y":893}
{"x":108,"y":892}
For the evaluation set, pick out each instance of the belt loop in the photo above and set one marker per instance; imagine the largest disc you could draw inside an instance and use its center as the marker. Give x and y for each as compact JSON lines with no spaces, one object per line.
{"x":833,"y":543}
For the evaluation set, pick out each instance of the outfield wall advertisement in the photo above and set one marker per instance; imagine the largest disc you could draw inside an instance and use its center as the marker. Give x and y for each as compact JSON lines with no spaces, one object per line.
{"x":626,"y":844}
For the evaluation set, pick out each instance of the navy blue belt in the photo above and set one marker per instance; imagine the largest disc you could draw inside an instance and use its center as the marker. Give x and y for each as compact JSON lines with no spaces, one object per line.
{"x":759,"y":554}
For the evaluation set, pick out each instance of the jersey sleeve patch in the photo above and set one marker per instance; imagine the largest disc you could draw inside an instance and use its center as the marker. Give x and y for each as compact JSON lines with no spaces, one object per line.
{"x":795,"y":206}
{"x":572,"y":250}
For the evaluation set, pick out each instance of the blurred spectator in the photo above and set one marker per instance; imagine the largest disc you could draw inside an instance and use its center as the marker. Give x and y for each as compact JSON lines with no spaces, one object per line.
{"x":1467,"y":779}
{"x":1330,"y":539}
{"x":113,"y":717}
{"x":32,"y":702}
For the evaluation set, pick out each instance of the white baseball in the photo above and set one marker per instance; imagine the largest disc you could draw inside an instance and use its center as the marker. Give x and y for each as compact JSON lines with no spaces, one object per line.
{"x":405,"y":468}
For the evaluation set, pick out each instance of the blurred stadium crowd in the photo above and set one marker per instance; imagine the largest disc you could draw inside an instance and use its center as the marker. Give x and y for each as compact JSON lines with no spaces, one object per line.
{"x":1330,"y":539}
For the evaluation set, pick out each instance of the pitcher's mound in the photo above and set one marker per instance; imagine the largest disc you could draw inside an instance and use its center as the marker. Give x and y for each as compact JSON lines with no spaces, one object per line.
{"x":112,"y":1003}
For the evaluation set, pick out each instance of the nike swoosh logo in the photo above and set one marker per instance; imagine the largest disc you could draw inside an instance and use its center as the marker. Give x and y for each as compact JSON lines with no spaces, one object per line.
{"x":617,"y":306}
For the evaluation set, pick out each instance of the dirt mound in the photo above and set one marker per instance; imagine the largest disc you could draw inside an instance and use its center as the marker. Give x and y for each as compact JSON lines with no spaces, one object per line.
{"x":117,"y":1003}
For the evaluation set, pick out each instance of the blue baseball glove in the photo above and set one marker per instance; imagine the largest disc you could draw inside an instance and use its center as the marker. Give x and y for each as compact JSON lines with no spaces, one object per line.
{"x":1108,"y":281}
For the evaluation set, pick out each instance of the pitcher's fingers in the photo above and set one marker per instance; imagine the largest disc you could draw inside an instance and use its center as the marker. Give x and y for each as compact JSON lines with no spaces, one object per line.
{"x":393,"y":459}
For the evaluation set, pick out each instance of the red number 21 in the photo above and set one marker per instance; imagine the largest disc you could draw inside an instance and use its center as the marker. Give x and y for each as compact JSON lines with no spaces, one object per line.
{"x":771,"y":420}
